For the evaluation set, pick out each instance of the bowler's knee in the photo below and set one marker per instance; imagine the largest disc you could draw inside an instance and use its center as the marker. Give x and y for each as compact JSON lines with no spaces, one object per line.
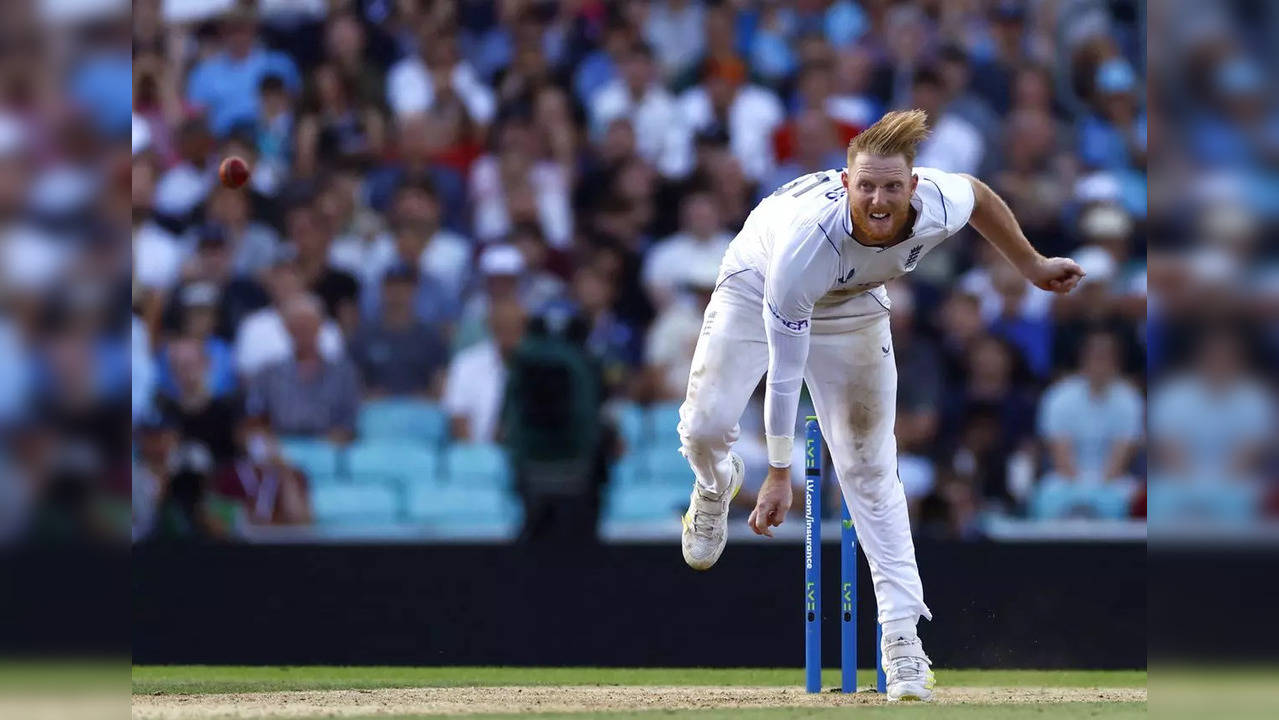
{"x":702,"y":432}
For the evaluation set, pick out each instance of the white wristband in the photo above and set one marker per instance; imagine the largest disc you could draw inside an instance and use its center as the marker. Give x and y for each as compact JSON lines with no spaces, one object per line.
{"x":779,"y":450}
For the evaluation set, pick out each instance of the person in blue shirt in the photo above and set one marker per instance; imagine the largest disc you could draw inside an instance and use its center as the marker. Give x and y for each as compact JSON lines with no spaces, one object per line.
{"x":227,"y":83}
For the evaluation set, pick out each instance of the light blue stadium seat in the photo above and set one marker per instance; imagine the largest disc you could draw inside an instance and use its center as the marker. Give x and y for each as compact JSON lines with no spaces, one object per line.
{"x":630,"y":425}
{"x":406,"y":461}
{"x":310,"y":455}
{"x":356,"y":504}
{"x":1212,"y":502}
{"x":645,"y":502}
{"x":662,"y":421}
{"x":402,"y":419}
{"x":1057,"y":499}
{"x":664,"y":465}
{"x":454,"y":506}
{"x":625,"y":471}
{"x":473,"y":465}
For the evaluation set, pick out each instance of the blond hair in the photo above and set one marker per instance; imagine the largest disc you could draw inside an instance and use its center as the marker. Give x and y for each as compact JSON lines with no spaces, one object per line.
{"x":896,"y":133}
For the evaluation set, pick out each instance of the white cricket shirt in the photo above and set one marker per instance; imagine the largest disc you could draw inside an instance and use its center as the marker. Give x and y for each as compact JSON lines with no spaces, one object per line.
{"x":797,"y":247}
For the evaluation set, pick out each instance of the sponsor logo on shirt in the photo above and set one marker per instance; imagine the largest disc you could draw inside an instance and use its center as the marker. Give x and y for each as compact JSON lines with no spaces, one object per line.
{"x":795,"y":325}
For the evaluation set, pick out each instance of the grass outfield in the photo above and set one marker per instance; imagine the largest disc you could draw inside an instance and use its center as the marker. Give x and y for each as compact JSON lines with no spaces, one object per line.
{"x":506,"y":693}
{"x":203,"y":679}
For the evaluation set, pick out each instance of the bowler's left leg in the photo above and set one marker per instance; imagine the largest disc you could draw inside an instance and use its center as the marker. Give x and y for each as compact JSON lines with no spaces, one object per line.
{"x":852,"y":376}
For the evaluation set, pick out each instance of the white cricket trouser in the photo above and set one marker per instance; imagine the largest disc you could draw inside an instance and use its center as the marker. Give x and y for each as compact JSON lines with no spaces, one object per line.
{"x":852,"y":378}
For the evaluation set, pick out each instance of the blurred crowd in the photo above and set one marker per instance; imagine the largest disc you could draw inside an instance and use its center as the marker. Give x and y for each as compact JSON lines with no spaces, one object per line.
{"x":431,"y":176}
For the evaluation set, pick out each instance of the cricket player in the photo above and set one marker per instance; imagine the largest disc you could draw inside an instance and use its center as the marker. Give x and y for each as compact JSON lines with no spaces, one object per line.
{"x":800,"y":296}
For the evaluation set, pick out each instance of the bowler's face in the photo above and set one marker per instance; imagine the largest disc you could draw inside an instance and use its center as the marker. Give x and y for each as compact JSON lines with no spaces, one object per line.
{"x":879,"y":191}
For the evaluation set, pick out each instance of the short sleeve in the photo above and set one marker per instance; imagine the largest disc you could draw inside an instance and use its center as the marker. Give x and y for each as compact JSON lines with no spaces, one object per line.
{"x":955,"y":195}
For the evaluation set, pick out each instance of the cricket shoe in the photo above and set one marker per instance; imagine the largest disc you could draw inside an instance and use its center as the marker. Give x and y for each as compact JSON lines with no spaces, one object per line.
{"x":706,"y":522}
{"x":908,"y":669}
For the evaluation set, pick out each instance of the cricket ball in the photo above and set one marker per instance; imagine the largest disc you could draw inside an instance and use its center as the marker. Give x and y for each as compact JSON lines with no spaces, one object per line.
{"x":233,"y":172}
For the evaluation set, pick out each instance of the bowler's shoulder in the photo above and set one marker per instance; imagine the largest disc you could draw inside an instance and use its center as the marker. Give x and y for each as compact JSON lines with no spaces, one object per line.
{"x":947,"y":198}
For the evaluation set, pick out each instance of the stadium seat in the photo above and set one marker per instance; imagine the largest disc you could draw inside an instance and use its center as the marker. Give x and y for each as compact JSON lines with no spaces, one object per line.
{"x":457,"y":507}
{"x":1202,"y":501}
{"x":625,"y":471}
{"x":664,"y":465}
{"x":408,"y":462}
{"x":356,"y":504}
{"x":630,"y":425}
{"x":645,"y":502}
{"x":314,"y":457}
{"x":1057,"y":499}
{"x":662,"y":421}
{"x":472,"y":465}
{"x":401,"y":419}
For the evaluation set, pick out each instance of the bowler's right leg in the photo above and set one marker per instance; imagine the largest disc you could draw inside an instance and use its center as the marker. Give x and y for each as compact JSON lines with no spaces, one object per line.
{"x":730,"y":358}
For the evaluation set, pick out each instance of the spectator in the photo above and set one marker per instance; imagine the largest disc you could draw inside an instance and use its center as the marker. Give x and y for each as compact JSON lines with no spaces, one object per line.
{"x":476,"y":382}
{"x":265,"y":486}
{"x":816,"y":148}
{"x":398,"y":354}
{"x":1115,"y":137}
{"x":519,"y":184}
{"x":1021,"y":320}
{"x":251,"y":244}
{"x":747,"y":113}
{"x":1095,"y":306}
{"x":955,"y":69}
{"x":1091,"y":422}
{"x":1212,"y":423}
{"x":1035,"y":180}
{"x":721,"y":56}
{"x":851,"y":101}
{"x":199,"y":307}
{"x":637,"y":95}
{"x":339,"y":290}
{"x":335,"y":126}
{"x":305,"y":394}
{"x":502,"y":267}
{"x":701,"y":242}
{"x":813,"y":95}
{"x":993,"y":414}
{"x":346,"y":47}
{"x":198,"y":413}
{"x":443,"y":257}
{"x":919,"y":400}
{"x":992,"y":78}
{"x":157,"y":250}
{"x":434,"y":76}
{"x":674,"y":29}
{"x":211,"y":264}
{"x":673,"y":336}
{"x":226,"y":83}
{"x":613,"y":343}
{"x":954,"y":145}
{"x":274,"y":139}
{"x":183,"y":188}
{"x":262,"y":339}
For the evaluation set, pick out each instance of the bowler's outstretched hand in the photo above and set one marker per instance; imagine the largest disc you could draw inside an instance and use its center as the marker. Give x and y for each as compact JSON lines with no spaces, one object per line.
{"x":772,"y":503}
{"x":1057,"y":274}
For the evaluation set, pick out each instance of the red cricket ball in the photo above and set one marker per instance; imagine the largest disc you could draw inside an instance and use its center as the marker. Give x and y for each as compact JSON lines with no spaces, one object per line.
{"x":233,"y":172}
